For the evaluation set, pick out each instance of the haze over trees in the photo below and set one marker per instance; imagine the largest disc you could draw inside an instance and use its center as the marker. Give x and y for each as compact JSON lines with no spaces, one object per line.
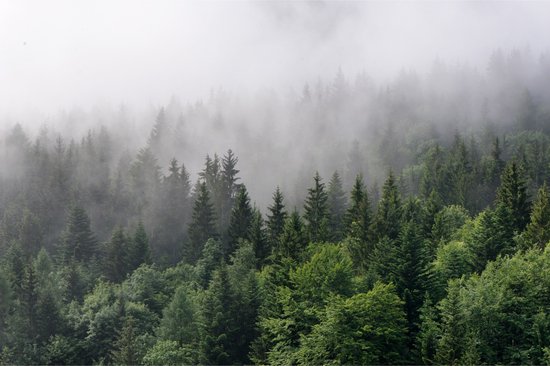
{"x":358,"y":220}
{"x":114,"y":257}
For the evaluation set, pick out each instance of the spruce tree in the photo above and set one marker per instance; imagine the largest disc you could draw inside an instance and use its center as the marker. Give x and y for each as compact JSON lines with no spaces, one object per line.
{"x":202,"y":226}
{"x":537,"y":232}
{"x":512,"y":198}
{"x":229,"y":188}
{"x":158,"y":131}
{"x":126,"y":346}
{"x":293,"y":240}
{"x":116,"y":256}
{"x":217,"y":321}
{"x":241,"y":219}
{"x":139,"y":251}
{"x":336,"y":207}
{"x":77,"y":242}
{"x":316,"y":211}
{"x":358,"y":216}
{"x":276,"y":218}
{"x":258,"y":238}
{"x":388,"y":216}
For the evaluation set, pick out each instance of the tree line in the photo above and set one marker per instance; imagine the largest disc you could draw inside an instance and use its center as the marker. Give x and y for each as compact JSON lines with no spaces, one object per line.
{"x":446,"y":263}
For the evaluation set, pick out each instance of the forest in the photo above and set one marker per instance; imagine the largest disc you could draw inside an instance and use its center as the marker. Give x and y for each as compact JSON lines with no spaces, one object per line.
{"x":405,"y":222}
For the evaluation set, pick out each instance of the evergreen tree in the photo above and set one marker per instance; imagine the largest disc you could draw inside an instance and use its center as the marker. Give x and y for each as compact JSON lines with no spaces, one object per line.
{"x":116,"y":264}
{"x":451,"y":343}
{"x":512,"y":198}
{"x":358,"y":216}
{"x":126,"y":346}
{"x":139,"y":251}
{"x":293,"y":240}
{"x":337,"y":208}
{"x":172,"y":212}
{"x":77,"y":242}
{"x":459,"y":173}
{"x":388,"y":216}
{"x":429,"y":333}
{"x":229,"y":188}
{"x":241,"y":220}
{"x":202,"y":226}
{"x":179,"y":322}
{"x":258,"y":238}
{"x":145,"y":179}
{"x":538,"y":230}
{"x":217,"y":321}
{"x":276,"y":218}
{"x":158,"y":132}
{"x":316,"y":211}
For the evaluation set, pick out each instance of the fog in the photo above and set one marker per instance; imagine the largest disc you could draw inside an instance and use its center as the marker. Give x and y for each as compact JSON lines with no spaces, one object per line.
{"x":61,"y":54}
{"x":235,"y":75}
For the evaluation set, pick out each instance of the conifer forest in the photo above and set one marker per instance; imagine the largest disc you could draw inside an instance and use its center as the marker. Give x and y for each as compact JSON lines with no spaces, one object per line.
{"x":349,"y":219}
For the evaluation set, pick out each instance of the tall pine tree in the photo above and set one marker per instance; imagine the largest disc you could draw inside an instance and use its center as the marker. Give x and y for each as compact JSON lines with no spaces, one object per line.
{"x":316,"y":211}
{"x":202,"y":226}
{"x":276,"y":218}
{"x":336,"y":207}
{"x":241,"y":219}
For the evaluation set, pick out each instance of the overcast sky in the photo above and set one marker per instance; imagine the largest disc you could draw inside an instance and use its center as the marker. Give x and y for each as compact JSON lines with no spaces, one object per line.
{"x":57,"y":54}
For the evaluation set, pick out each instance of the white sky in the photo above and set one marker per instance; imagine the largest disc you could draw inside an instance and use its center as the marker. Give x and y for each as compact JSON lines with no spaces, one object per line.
{"x":57,"y":54}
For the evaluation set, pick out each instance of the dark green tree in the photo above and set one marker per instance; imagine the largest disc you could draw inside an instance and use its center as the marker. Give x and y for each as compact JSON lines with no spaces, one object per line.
{"x":229,"y":188}
{"x":139,"y":251}
{"x":513,"y":206}
{"x":537,"y":233}
{"x":316,"y":211}
{"x":116,"y":258}
{"x":126,"y":347}
{"x":241,"y":220}
{"x":276,"y":218}
{"x":202,"y":226}
{"x":337,"y":208}
{"x":293,"y":240}
{"x":77,"y":241}
{"x":217,"y":321}
{"x":258,"y":237}
{"x":388,"y":216}
{"x":358,"y":221}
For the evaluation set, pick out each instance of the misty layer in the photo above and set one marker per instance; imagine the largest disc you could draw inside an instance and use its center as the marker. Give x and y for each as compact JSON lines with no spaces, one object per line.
{"x":354,"y":222}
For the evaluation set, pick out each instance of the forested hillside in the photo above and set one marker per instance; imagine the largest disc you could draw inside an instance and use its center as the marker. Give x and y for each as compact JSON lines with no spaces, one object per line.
{"x":405,"y":223}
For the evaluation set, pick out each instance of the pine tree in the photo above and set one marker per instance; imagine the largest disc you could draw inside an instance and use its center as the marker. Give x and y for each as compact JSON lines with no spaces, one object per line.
{"x":429,"y":332}
{"x":512,"y":198}
{"x":337,"y":208}
{"x":538,"y":230}
{"x":451,"y":343}
{"x":229,"y":188}
{"x":126,"y":346}
{"x":258,"y":238}
{"x":116,"y":256}
{"x":241,"y":219}
{"x":172,"y":213}
{"x":276,"y":218}
{"x":158,"y":132}
{"x":358,"y":216}
{"x":139,"y":251}
{"x":202,"y":226}
{"x":217,"y":321}
{"x":388,"y":216}
{"x":316,"y":211}
{"x":145,"y":178}
{"x":78,"y":242}
{"x":293,"y":240}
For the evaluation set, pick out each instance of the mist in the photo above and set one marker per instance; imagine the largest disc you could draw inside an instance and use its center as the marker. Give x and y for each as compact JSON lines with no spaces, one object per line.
{"x":61,"y":54}
{"x":291,"y":87}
